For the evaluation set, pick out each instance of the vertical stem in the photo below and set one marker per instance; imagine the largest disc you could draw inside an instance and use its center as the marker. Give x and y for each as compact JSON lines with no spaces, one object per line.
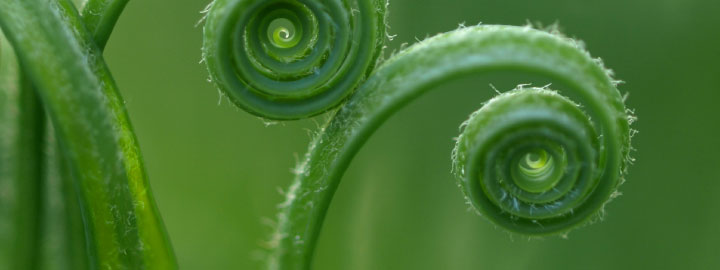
{"x":21,"y":124}
{"x":61,"y":58}
{"x":62,"y":234}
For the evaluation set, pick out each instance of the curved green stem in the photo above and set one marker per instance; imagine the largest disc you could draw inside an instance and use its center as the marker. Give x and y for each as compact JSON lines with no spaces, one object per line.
{"x":409,"y":74}
{"x":50,"y":235}
{"x":66,"y":66}
{"x":100,"y":17}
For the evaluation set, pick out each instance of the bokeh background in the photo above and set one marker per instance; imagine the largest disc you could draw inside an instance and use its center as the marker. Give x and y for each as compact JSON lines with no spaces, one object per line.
{"x":216,"y":170}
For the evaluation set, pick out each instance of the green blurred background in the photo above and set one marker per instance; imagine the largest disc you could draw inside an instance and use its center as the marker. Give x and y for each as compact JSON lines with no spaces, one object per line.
{"x":216,"y":170}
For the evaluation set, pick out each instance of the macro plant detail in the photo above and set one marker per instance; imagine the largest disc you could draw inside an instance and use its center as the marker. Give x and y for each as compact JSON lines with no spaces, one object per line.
{"x":531,"y":160}
{"x":101,"y":176}
{"x":73,"y":188}
{"x":291,"y":59}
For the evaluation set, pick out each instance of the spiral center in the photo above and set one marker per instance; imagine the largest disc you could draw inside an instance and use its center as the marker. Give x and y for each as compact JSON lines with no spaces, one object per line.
{"x":535,"y":164}
{"x":284,"y":34}
{"x":536,"y":171}
{"x":281,"y":33}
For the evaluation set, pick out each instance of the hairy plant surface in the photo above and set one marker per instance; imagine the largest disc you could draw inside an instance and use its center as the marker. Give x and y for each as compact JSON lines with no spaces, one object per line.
{"x":534,"y":161}
{"x":531,"y":160}
{"x":60,"y":52}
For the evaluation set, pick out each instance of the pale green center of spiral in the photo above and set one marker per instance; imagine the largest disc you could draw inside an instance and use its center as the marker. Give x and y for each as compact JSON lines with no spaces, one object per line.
{"x":536,"y":163}
{"x":536,"y":171}
{"x":281,"y":33}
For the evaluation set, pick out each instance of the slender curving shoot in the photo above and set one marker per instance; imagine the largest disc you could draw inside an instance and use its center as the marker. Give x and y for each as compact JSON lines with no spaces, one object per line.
{"x":530,"y":160}
{"x":533,"y":161}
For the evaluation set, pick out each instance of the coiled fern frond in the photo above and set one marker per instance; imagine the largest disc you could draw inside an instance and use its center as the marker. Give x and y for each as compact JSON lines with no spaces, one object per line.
{"x":534,"y":161}
{"x":292,"y":59}
{"x":531,"y":160}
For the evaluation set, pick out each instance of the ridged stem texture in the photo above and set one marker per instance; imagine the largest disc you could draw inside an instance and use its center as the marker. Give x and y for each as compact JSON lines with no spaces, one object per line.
{"x":61,"y":55}
{"x":531,"y":160}
{"x":21,"y":129}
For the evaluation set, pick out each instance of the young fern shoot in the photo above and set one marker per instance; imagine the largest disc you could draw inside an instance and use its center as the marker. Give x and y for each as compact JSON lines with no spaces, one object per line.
{"x":530,"y":160}
{"x":286,"y":60}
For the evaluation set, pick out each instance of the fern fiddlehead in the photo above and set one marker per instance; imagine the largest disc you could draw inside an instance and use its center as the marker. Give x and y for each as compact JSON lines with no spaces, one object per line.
{"x":64,"y":62}
{"x":291,"y":59}
{"x":530,"y":160}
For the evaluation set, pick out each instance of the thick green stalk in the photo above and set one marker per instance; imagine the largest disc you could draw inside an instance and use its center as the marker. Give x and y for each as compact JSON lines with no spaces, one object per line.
{"x":66,"y":66}
{"x":21,"y":128}
{"x":62,"y":235}
{"x":53,"y":239}
{"x":409,"y":74}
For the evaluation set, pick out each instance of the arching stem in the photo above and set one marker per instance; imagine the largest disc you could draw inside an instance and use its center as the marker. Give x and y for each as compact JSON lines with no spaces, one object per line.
{"x":408,"y":75}
{"x":64,"y":63}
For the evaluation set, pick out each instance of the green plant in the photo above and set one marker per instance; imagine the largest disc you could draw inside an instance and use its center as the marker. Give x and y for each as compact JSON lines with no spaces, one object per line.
{"x":530,"y":160}
{"x":60,"y":52}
